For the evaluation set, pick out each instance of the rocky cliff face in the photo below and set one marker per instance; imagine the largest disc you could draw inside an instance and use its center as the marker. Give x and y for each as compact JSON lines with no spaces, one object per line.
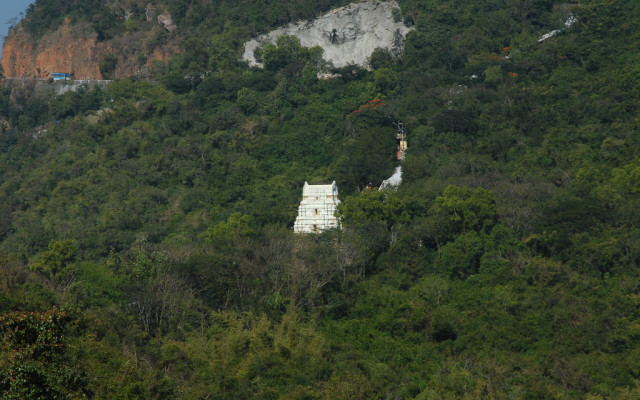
{"x":75,"y":49}
{"x":348,"y":35}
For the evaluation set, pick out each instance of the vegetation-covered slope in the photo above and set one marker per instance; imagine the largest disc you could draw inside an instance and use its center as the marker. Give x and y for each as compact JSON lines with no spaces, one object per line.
{"x":158,"y":216}
{"x":114,"y":17}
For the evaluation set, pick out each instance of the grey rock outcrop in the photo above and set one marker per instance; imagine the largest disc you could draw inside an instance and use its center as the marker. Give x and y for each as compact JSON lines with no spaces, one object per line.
{"x":348,"y":35}
{"x":150,"y":12}
{"x":166,"y":20}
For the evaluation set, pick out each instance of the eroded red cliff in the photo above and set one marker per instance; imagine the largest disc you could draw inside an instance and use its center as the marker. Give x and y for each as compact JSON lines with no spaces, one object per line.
{"x":75,"y":49}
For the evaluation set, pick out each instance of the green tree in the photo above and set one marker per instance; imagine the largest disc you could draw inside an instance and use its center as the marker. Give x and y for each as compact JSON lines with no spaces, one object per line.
{"x":248,"y":100}
{"x":35,"y":359}
{"x":468,"y":209}
{"x":370,"y":158}
{"x":373,"y":206}
{"x":56,"y":263}
{"x":461,"y":257}
{"x":236,"y":226}
{"x":385,"y":78}
{"x":107,"y":65}
{"x":289,"y":56}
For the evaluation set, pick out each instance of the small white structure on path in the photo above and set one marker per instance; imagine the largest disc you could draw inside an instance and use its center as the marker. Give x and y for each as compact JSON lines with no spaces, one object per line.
{"x":567,"y":24}
{"x":394,"y":181}
{"x":317,"y":208}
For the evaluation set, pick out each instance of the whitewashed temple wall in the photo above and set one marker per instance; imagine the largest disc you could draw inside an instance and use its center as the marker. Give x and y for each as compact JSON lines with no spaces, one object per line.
{"x":317,"y":208}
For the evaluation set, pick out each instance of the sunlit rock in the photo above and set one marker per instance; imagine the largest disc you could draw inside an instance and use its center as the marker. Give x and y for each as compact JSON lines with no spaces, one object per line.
{"x":348,"y":35}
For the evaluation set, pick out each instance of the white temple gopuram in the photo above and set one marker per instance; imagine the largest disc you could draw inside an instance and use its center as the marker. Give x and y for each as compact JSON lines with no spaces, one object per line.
{"x":317,"y":208}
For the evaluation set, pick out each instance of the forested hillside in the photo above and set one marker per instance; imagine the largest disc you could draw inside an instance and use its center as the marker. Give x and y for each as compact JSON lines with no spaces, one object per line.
{"x":146,"y":248}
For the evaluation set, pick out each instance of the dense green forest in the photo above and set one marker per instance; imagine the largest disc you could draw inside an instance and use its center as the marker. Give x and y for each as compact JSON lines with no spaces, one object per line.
{"x":146,"y":248}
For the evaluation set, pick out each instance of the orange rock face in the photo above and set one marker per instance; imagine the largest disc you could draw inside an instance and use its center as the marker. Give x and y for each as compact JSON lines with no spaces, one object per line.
{"x":75,"y":49}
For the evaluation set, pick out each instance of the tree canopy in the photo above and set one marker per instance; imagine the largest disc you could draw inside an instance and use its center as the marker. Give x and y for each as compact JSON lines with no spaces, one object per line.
{"x":146,"y":248}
